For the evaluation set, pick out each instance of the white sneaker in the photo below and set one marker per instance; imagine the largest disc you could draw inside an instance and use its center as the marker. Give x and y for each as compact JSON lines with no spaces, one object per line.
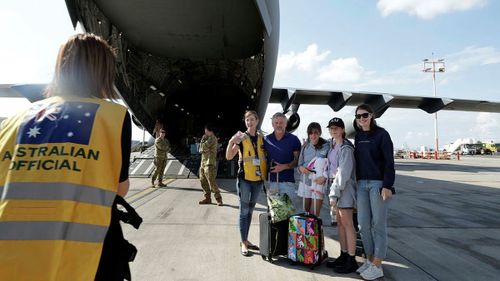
{"x":364,"y":266}
{"x":372,"y":272}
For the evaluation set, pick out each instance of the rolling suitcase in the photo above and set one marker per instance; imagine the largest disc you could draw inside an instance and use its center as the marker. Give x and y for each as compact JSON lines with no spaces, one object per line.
{"x":273,"y":237}
{"x":306,"y":239}
{"x":273,"y":234}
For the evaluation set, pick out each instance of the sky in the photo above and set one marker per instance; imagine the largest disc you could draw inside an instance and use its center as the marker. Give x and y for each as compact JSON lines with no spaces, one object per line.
{"x":355,"y":45}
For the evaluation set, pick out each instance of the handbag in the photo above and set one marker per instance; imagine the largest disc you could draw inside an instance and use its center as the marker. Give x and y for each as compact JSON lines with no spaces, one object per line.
{"x":280,"y":207}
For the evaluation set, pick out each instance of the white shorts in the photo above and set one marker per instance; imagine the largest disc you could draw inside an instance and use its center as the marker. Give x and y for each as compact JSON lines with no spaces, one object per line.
{"x":315,"y":191}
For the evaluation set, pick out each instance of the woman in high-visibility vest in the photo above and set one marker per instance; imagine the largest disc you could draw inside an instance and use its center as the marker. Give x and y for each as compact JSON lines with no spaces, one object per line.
{"x":251,"y":174}
{"x":63,"y":162}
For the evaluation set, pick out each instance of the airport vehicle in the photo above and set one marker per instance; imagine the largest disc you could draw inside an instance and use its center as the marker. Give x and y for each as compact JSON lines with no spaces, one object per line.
{"x":468,"y":149}
{"x":400,"y":154}
{"x":188,"y":63}
{"x":489,"y":148}
{"x":478,"y":148}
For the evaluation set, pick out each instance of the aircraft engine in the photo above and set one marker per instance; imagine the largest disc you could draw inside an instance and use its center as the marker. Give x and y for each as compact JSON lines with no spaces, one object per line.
{"x":293,"y":122}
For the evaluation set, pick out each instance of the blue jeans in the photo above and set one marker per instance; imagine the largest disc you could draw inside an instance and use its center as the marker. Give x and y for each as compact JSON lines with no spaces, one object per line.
{"x":372,"y":217}
{"x":248,"y":192}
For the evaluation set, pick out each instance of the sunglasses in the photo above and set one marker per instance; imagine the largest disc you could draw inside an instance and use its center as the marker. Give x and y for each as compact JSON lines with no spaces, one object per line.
{"x":364,"y":115}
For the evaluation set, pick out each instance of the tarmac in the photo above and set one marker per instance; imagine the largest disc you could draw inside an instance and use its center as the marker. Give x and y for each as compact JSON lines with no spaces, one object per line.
{"x":444,"y":224}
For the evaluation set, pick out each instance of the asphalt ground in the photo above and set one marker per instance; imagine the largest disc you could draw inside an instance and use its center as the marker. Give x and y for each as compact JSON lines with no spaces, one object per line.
{"x":444,"y":224}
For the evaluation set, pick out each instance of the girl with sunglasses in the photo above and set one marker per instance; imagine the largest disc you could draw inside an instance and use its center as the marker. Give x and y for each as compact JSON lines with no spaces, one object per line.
{"x":375,"y":177}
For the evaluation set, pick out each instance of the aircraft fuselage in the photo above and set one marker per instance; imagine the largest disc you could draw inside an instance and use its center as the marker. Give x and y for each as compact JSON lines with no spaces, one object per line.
{"x":187,"y":63}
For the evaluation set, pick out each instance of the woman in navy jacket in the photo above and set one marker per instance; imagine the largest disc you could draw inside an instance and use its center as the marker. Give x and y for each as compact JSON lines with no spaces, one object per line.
{"x":375,"y":175}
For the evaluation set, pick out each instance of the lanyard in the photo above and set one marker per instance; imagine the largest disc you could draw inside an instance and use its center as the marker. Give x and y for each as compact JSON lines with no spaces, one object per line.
{"x":254,"y":143}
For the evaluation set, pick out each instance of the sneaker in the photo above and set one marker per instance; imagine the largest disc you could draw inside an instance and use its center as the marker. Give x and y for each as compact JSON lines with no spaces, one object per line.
{"x":364,"y":266}
{"x":372,"y":272}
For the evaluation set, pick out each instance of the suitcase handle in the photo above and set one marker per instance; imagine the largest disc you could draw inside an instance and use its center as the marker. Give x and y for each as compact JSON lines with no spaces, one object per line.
{"x":265,"y":188}
{"x":304,"y":198}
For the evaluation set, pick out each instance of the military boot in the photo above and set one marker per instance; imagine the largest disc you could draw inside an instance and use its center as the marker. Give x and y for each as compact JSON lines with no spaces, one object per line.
{"x":207,"y":200}
{"x":153,"y":182}
{"x":161,"y":184}
{"x":219,"y":201}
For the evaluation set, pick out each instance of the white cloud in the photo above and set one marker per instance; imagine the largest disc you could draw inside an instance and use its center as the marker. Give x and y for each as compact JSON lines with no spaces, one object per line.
{"x":487,"y":125}
{"x":427,"y":9}
{"x":301,"y":69}
{"x":311,"y":69}
{"x":304,"y":61}
{"x":341,"y":70}
{"x":472,"y":56}
{"x":412,"y":76}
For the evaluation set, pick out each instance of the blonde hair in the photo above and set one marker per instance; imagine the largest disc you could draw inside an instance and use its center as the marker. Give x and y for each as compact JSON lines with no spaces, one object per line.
{"x":249,"y":113}
{"x":85,"y":67}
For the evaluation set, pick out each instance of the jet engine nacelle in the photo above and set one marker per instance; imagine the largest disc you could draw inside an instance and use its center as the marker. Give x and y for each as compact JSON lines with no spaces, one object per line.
{"x":293,"y":122}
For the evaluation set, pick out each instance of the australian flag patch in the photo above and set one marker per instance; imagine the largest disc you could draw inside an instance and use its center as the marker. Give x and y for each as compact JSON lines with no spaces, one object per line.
{"x":64,"y":122}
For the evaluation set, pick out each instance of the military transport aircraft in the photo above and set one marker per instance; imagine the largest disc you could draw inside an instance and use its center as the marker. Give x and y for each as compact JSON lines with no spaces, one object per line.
{"x":190,"y":62}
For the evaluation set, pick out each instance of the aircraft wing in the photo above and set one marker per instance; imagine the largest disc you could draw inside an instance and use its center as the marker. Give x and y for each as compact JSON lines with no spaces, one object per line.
{"x":291,"y":98}
{"x":32,"y":92}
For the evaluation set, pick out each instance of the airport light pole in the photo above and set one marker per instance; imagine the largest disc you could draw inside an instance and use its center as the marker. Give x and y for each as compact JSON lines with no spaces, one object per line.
{"x":434,"y":66}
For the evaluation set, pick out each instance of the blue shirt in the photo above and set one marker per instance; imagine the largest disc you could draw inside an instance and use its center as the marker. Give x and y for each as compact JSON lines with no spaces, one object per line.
{"x":281,"y":151}
{"x":374,"y":157}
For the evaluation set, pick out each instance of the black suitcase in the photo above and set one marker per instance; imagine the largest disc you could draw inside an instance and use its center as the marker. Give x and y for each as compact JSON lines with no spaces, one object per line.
{"x":273,"y":237}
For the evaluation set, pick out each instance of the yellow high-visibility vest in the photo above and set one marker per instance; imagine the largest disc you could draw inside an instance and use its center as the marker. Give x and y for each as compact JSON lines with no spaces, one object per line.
{"x":60,"y":164}
{"x":247,"y":156}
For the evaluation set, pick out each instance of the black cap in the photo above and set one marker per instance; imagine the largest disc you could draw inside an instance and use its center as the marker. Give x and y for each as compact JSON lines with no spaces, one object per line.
{"x":337,"y":122}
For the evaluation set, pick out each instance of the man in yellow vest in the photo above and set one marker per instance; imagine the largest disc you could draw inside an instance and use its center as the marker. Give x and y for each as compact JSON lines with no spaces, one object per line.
{"x":162,"y":148}
{"x":208,"y":166}
{"x":62,"y":163}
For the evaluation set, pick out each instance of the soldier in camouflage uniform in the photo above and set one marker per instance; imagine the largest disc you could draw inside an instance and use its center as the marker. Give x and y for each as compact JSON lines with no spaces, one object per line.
{"x":162,"y":147}
{"x":208,"y":167}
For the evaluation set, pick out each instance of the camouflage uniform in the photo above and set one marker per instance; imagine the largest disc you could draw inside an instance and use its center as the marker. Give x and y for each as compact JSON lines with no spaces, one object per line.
{"x":208,"y":169}
{"x":162,"y":147}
